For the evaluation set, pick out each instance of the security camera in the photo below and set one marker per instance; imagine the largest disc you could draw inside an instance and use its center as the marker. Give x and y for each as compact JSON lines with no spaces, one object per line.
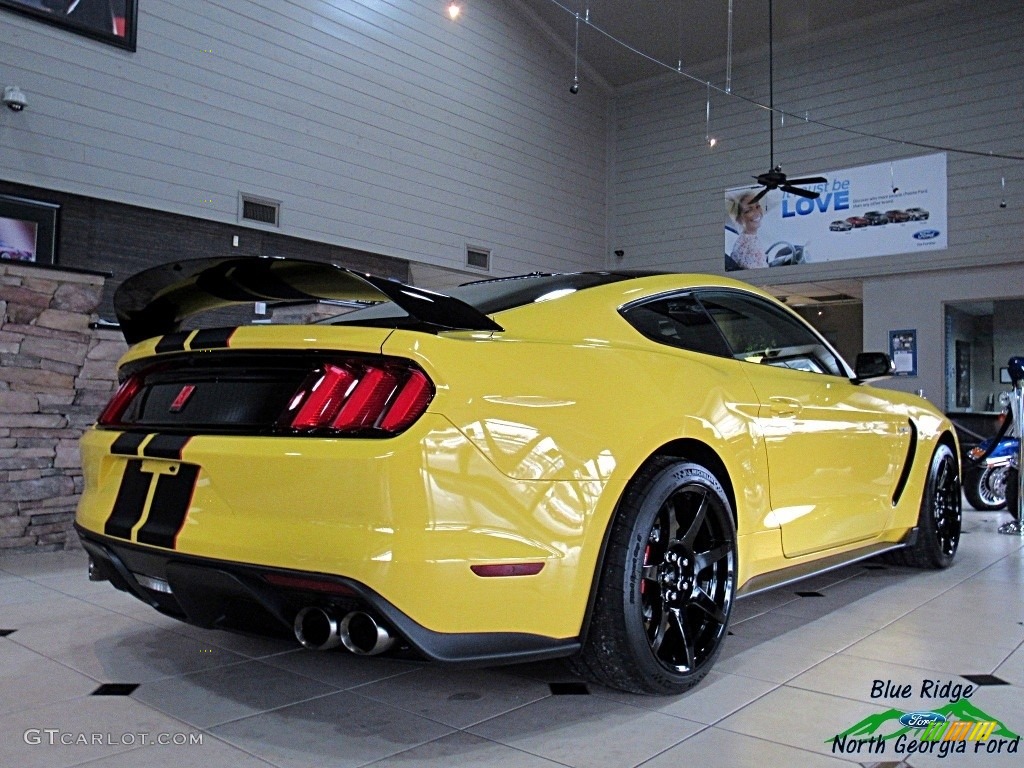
{"x":575,"y":87}
{"x":1002,"y":203}
{"x":14,"y":98}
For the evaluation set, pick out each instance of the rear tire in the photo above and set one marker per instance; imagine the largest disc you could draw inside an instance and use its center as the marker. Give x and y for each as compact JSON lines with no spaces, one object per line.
{"x":666,"y":589}
{"x":938,"y":523}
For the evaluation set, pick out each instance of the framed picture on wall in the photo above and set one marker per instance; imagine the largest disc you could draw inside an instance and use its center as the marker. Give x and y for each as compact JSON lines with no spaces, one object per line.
{"x":28,"y":230}
{"x":903,"y":351}
{"x":110,"y":21}
{"x":963,"y":374}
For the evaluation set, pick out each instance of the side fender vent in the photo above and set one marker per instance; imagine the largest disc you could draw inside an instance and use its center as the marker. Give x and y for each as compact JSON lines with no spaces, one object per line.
{"x":908,"y":463}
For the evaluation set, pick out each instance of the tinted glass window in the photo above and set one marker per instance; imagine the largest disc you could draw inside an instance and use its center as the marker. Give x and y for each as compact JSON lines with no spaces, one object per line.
{"x":679,"y":321}
{"x":759,"y":332}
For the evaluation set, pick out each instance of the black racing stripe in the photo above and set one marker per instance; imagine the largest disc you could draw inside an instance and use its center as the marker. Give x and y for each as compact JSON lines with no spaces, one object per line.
{"x":173,"y":342}
{"x":171,"y":500}
{"x":166,"y":446}
{"x":130,"y":502}
{"x":212,"y":338}
{"x":128,"y":444}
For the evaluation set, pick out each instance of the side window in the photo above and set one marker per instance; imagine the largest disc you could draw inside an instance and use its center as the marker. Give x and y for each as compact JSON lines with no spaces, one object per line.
{"x":678,"y":321}
{"x":759,"y":332}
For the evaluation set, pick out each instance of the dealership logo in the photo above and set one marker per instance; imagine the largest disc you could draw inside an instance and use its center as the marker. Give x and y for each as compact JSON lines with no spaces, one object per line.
{"x":921,"y":719}
{"x":926,"y":234}
{"x":957,"y":727}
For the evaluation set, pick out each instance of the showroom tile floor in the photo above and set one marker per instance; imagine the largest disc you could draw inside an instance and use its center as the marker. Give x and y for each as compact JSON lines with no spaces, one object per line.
{"x":89,"y":676}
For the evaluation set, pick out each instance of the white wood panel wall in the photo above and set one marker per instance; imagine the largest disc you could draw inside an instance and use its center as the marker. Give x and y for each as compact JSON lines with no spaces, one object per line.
{"x":379,"y":125}
{"x":946,"y":74}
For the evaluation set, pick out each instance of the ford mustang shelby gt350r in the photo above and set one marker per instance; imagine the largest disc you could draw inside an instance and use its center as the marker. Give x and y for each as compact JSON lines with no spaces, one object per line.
{"x":589,"y":465}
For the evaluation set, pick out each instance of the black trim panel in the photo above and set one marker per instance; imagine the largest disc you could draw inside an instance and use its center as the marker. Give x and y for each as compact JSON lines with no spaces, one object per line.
{"x":210,"y":592}
{"x":794,"y":573}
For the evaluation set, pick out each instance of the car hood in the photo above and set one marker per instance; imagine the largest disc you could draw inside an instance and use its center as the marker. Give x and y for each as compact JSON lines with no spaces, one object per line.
{"x":156,"y":301}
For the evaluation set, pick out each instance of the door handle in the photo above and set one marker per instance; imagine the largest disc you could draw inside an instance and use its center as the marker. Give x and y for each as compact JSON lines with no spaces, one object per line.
{"x":784,"y":406}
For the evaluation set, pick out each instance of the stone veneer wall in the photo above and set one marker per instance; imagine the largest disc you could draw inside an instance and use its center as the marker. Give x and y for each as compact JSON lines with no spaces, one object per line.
{"x":56,"y":374}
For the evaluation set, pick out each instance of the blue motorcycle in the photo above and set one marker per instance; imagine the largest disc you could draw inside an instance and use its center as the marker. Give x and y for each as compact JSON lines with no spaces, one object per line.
{"x":990,"y":477}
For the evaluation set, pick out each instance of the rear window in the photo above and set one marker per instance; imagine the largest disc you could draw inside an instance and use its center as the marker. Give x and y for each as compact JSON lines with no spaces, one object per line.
{"x":490,"y":296}
{"x":678,"y":321}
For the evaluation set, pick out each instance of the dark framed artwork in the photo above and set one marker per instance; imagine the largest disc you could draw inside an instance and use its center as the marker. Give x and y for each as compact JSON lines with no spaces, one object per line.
{"x":903,"y":351}
{"x":963,"y":374}
{"x":110,"y":21}
{"x":28,"y":230}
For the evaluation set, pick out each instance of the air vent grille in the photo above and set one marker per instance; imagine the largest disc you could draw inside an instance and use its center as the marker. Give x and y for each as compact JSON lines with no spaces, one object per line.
{"x":260,"y":210}
{"x":479,"y":258}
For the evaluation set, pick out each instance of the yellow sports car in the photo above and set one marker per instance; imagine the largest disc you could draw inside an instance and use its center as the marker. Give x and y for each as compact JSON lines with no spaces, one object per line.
{"x":590,"y":465}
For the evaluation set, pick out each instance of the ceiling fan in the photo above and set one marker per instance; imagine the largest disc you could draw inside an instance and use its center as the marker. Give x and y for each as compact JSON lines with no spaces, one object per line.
{"x":774,"y":178}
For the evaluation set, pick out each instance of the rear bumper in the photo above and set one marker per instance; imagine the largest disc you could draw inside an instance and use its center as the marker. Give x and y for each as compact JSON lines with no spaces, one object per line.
{"x":407,"y":517}
{"x":262,"y":600}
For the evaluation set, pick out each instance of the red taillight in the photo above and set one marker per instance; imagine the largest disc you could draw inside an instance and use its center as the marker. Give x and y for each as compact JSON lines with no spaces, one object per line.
{"x":119,"y":403}
{"x":321,"y":396}
{"x":360,"y":396}
{"x":411,"y":401}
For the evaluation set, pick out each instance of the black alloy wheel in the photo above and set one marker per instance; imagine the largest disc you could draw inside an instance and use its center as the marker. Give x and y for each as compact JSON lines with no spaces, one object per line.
{"x":939,"y":520}
{"x":667,"y":588}
{"x":946,"y":505}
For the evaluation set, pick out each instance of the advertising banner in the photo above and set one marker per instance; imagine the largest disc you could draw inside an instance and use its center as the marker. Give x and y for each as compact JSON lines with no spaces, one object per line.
{"x":872,"y":210}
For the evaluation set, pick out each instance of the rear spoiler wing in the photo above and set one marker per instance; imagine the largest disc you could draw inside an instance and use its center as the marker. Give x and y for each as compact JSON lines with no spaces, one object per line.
{"x":158,"y":300}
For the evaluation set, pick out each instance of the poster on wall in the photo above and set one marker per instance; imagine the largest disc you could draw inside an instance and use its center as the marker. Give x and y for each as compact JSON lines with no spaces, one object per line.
{"x":871,"y":210}
{"x":28,"y":230}
{"x":903,"y":351}
{"x":111,"y":21}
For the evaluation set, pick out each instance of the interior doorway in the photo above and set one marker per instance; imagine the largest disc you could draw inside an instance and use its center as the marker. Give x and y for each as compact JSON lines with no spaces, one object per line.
{"x":981,"y":336}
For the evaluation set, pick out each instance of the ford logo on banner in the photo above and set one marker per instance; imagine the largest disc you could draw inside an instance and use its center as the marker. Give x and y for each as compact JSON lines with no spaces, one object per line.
{"x":921,"y":719}
{"x":926,"y":234}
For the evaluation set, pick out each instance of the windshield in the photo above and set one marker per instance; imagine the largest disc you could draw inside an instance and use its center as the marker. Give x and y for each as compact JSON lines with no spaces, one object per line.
{"x":488,"y":296}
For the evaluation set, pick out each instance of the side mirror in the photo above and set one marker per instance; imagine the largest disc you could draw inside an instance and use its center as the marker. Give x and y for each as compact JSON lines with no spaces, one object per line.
{"x":873,"y":365}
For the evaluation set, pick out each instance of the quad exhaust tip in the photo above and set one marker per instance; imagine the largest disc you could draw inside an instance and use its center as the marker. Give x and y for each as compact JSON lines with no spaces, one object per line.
{"x":319,"y":629}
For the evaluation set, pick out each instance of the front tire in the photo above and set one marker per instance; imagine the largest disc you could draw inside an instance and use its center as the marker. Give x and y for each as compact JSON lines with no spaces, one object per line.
{"x":938,"y":524}
{"x":985,"y":488}
{"x":667,"y":586}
